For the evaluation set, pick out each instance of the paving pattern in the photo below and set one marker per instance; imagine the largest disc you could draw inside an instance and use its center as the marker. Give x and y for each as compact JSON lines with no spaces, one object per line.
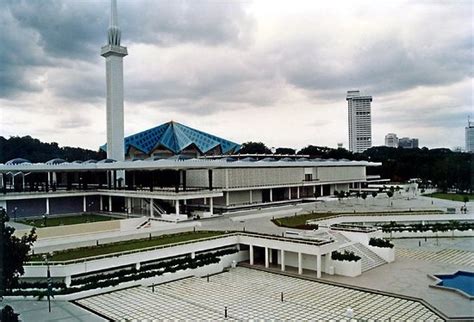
{"x":251,"y":294}
{"x":449,"y":256}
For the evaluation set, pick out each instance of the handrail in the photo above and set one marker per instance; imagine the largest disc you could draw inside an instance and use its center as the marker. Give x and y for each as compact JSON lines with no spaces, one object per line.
{"x":146,"y":249}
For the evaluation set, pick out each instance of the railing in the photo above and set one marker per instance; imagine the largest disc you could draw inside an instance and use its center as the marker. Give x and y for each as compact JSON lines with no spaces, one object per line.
{"x":152,"y":248}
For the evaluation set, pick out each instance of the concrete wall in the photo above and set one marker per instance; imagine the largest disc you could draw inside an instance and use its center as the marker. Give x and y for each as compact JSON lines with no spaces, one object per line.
{"x":239,"y":197}
{"x":340,"y":173}
{"x":248,"y":177}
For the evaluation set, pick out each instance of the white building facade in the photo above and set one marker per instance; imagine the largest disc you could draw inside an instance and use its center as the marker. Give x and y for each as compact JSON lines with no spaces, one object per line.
{"x":360,"y":121}
{"x":470,"y":137}
{"x":391,"y":140}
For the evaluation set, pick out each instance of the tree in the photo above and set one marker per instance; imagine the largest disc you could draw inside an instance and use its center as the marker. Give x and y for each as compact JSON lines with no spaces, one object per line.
{"x":374,"y":194}
{"x":254,"y":148}
{"x":8,"y":315}
{"x":364,"y":196}
{"x":389,"y":195}
{"x":15,"y":250}
{"x":285,"y":151}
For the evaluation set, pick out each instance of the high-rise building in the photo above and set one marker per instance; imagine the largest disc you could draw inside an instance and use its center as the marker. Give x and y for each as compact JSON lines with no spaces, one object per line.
{"x":113,"y":54}
{"x":470,"y":136}
{"x":391,"y":140}
{"x":408,"y":143}
{"x":360,"y":121}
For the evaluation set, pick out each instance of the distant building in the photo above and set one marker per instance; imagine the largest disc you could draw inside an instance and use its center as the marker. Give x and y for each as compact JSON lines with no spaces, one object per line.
{"x":391,"y":140}
{"x":340,"y":146}
{"x":470,"y":137}
{"x":408,"y":143}
{"x":360,"y":121}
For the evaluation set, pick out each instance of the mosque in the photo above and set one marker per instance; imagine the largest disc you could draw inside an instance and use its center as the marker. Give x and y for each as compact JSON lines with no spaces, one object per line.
{"x":171,"y":171}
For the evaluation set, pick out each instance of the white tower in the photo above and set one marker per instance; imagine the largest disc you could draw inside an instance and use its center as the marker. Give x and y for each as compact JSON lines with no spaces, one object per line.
{"x":360,"y":121}
{"x":114,"y":54}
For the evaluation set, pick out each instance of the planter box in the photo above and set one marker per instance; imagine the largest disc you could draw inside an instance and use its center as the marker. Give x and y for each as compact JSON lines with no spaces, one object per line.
{"x":388,"y":254}
{"x":344,"y":268}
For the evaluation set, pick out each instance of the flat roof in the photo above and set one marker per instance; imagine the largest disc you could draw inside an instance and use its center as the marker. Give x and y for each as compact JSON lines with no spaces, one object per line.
{"x":177,"y":165}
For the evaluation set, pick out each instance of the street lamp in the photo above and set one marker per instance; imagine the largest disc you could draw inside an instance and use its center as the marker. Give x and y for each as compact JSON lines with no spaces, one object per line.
{"x":44,"y":220}
{"x":49,"y":281}
{"x":14,"y":213}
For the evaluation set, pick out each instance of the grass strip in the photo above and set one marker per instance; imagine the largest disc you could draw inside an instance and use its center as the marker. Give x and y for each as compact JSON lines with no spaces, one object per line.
{"x":65,"y":220}
{"x":84,"y":252}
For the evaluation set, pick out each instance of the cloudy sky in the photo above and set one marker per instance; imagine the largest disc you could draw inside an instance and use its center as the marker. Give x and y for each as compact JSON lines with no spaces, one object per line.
{"x":270,"y":71}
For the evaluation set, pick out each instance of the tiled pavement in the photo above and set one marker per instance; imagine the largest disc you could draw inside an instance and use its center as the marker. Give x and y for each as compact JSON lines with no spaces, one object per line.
{"x":449,"y":256}
{"x":252,"y":294}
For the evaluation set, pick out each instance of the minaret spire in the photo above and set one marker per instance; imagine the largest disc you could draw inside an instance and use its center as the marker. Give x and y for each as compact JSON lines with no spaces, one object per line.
{"x":113,"y":54}
{"x":114,"y":33}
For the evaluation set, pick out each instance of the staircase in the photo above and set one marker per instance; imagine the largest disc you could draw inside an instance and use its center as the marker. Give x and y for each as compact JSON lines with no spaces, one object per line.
{"x":369,"y":259}
{"x":157,"y":209}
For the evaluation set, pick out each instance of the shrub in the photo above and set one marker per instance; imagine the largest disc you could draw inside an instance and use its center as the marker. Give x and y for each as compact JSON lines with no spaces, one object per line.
{"x":380,"y":242}
{"x":346,"y":256}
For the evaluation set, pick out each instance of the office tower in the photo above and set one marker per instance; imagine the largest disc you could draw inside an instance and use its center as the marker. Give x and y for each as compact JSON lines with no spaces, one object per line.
{"x":360,"y":121}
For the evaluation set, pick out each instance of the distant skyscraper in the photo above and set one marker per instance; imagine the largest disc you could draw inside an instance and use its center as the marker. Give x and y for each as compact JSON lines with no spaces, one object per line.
{"x":391,"y":140}
{"x":470,"y":136}
{"x":360,"y":121}
{"x":408,"y":143}
{"x":113,"y":54}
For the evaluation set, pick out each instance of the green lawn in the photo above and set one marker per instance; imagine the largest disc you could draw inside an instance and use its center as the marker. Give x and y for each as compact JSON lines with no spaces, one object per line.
{"x":84,"y":252}
{"x":65,"y":220}
{"x":299,"y":221}
{"x":451,"y":196}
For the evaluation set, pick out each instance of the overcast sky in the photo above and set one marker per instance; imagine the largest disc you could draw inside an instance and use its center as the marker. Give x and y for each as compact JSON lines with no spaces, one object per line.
{"x":270,"y":71}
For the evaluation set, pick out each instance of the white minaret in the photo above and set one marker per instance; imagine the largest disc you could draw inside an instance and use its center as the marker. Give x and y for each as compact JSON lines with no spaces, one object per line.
{"x":114,"y":54}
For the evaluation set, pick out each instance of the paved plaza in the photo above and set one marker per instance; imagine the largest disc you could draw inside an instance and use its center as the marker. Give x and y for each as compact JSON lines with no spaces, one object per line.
{"x":252,"y":294}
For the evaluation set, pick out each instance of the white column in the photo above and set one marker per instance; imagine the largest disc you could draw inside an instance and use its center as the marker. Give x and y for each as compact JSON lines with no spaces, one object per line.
{"x":250,"y":196}
{"x":101,"y":203}
{"x":282,"y":260}
{"x":23,"y":182}
{"x":151,"y":207}
{"x":266,"y":258}
{"x":318,"y":266}
{"x":300,"y":263}
{"x":314,"y":190}
{"x":205,"y":201}
{"x":47,"y":206}
{"x":211,"y":205}
{"x":177,"y":207}
{"x":129,"y":205}
{"x":227,"y":198}
{"x":322,"y":190}
{"x":55,"y":178}
{"x":49,"y":179}
{"x":110,"y":203}
{"x":289,"y":193}
{"x":84,"y":204}
{"x":251,"y":254}
{"x":271,"y":195}
{"x":297,"y":192}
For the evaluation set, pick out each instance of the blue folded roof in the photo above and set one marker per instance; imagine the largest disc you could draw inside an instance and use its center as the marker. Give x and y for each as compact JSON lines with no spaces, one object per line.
{"x":176,"y":137}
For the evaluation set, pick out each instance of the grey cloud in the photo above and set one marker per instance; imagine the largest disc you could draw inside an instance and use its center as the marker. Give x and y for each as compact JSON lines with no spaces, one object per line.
{"x":39,"y":33}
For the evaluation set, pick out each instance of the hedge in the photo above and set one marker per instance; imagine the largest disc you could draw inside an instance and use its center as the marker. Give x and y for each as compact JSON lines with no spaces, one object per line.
{"x":125,"y":275}
{"x":346,"y":256}
{"x":380,"y":242}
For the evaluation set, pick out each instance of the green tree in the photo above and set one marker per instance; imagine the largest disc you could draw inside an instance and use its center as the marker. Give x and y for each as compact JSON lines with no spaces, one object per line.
{"x":254,"y":147}
{"x":364,"y":197}
{"x":15,"y":251}
{"x":285,"y":151}
{"x":8,"y":314}
{"x":389,"y":195}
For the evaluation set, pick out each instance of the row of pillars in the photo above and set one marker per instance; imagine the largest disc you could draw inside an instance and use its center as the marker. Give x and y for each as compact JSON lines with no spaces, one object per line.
{"x":282,"y":260}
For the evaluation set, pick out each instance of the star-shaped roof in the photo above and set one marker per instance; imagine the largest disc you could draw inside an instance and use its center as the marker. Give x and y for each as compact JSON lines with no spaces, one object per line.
{"x":176,"y":137}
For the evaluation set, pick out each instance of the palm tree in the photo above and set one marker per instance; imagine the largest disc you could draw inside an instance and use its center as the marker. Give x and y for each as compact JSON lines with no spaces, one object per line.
{"x":389,"y":195}
{"x":374,"y":194}
{"x":364,"y":196}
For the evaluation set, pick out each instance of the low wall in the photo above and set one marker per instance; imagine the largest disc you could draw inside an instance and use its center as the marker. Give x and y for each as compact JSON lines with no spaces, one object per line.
{"x":388,"y":254}
{"x":429,"y":233}
{"x":225,"y":262}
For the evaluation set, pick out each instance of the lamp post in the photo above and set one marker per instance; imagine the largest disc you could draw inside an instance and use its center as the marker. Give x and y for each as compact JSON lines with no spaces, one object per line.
{"x":44,"y":220}
{"x":3,"y":219}
{"x":49,"y":281}
{"x":14,"y":213}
